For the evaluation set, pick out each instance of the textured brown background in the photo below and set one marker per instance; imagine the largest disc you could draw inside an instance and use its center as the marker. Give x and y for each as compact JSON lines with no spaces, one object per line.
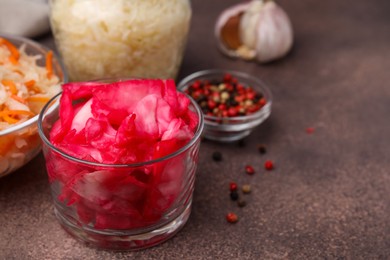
{"x":328,"y":197}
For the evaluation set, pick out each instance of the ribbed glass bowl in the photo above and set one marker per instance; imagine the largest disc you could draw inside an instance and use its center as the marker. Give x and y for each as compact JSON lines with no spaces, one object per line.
{"x":20,"y":143}
{"x":229,"y":129}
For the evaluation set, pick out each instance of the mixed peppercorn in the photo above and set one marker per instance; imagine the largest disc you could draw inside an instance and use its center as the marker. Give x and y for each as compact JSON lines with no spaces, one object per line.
{"x":225,"y":97}
{"x":231,"y":217}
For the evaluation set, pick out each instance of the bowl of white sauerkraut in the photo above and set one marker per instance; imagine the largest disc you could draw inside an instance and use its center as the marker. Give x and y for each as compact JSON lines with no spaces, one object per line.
{"x":30,"y":75}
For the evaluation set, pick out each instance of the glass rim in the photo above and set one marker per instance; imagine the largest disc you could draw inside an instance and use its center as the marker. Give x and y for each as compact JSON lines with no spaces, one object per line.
{"x":183,"y":85}
{"x":189,"y":144}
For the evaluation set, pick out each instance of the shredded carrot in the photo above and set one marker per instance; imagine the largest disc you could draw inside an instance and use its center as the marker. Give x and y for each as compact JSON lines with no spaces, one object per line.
{"x":8,"y":115}
{"x":31,"y":86}
{"x":11,"y":85}
{"x":38,"y":99}
{"x":13,"y":50}
{"x":49,"y":64}
{"x":19,"y":72}
{"x":13,"y":60}
{"x":19,"y":99}
{"x":36,"y":89}
{"x":9,"y":119}
{"x":29,"y":83}
{"x":16,"y":112}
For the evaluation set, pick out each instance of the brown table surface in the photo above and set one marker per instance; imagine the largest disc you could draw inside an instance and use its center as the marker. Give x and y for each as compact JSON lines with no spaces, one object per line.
{"x":328,"y":197}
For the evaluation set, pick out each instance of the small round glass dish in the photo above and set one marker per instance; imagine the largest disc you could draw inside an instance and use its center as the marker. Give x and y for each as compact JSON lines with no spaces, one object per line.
{"x":232,"y":125}
{"x":21,"y":86}
{"x":125,"y":205}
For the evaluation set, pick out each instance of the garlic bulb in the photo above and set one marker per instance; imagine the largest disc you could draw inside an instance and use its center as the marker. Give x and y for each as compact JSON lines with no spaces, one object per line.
{"x":258,"y":30}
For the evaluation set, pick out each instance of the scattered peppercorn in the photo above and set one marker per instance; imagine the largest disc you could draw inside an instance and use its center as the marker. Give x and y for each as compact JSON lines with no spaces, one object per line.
{"x":217,"y":156}
{"x":241,"y":143}
{"x":268,"y":165}
{"x":246,"y":188}
{"x":234,"y":195}
{"x":249,"y":169}
{"x":228,"y":95}
{"x":310,"y":130}
{"x":262,"y":149}
{"x":231,"y":217}
{"x":233,"y":186}
{"x":241,"y":203}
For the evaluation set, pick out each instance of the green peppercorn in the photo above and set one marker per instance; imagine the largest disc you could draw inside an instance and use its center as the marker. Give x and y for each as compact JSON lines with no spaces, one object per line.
{"x":215,"y":111}
{"x":248,"y":103}
{"x":214,"y":88}
{"x":246,"y":188}
{"x":222,"y":86}
{"x":225,"y":95}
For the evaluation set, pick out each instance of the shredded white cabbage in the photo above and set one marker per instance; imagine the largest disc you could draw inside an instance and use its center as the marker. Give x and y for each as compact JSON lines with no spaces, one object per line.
{"x":24,"y":86}
{"x":121,"y":38}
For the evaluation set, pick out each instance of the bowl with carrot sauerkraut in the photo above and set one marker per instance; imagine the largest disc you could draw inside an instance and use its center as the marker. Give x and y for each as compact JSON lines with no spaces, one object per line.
{"x":30,"y":75}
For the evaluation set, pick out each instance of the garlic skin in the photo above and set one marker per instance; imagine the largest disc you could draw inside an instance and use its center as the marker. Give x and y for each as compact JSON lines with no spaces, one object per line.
{"x":223,"y":20}
{"x":265,"y":31}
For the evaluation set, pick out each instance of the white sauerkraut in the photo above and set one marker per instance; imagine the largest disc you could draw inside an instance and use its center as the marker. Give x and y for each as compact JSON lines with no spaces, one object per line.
{"x":121,"y":38}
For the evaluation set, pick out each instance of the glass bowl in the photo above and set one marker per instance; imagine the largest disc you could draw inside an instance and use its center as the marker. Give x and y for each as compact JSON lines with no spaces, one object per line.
{"x":20,"y":143}
{"x":120,"y":206}
{"x":229,"y":129}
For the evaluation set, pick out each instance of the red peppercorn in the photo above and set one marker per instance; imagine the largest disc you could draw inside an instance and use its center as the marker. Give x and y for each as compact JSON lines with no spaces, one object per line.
{"x":240,"y":87}
{"x":225,"y":113}
{"x":249,"y":169}
{"x":310,"y":130}
{"x":196,"y":84}
{"x":233,"y":186}
{"x":268,"y":165}
{"x":231,"y":217}
{"x":262,"y":101}
{"x":252,"y":109}
{"x":239,"y":98}
{"x":197,"y":93}
{"x":227,"y":77}
{"x":232,"y":111}
{"x":211,"y":104}
{"x":222,"y":107}
{"x":250,"y":95}
{"x":229,"y":87}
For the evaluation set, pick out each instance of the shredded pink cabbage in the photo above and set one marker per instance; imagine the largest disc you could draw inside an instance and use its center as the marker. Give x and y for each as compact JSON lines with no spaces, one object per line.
{"x":121,"y":123}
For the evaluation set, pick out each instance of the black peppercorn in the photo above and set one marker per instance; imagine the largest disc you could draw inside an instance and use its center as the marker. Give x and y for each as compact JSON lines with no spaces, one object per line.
{"x":217,"y":156}
{"x":234,"y":195}
{"x":241,"y":143}
{"x":262,"y":149}
{"x":241,"y":203}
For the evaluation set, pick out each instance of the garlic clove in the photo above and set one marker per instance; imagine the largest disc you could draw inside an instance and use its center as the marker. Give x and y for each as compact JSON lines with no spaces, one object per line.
{"x":227,"y":29}
{"x":274,"y":33}
{"x":249,"y":23}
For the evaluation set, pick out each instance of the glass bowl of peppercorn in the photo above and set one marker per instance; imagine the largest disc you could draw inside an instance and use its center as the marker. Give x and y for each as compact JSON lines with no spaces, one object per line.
{"x":233,"y":103}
